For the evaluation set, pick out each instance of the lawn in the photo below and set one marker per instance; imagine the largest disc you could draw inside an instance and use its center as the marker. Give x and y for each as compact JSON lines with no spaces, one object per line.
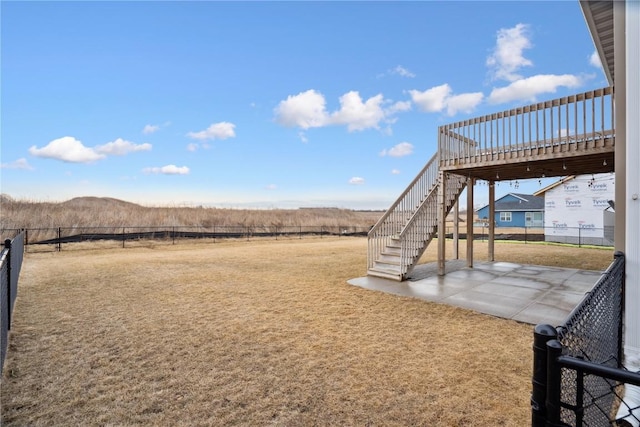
{"x":257,"y":333}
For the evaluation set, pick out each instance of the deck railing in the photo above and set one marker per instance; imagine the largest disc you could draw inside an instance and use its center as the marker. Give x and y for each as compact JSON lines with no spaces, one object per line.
{"x":402,"y":210}
{"x":573,"y":123}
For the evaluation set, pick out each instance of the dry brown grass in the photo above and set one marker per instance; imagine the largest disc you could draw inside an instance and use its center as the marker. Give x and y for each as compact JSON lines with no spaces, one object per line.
{"x":254,"y":333}
{"x":108,"y":212}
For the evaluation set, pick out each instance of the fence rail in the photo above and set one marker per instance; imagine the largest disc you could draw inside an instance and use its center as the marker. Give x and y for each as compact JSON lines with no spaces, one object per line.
{"x":10,"y":266}
{"x":577,"y":367}
{"x":57,"y":238}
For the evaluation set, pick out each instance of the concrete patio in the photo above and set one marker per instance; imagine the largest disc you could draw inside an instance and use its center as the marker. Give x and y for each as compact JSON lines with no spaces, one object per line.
{"x":525,"y":293}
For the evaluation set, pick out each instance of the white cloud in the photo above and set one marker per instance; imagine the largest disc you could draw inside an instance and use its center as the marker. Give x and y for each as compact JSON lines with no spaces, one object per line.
{"x":395,"y":172}
{"x":120,"y":147}
{"x":21,"y":163}
{"x":271,"y":187}
{"x":401,"y":71}
{"x":466,"y":102}
{"x":305,"y":110}
{"x":439,"y":98}
{"x":528,"y":89}
{"x":221,"y":130}
{"x":308,"y":110}
{"x":149,"y":129}
{"x":167,"y":170}
{"x":431,"y":100}
{"x":397,"y":107}
{"x":67,"y":149}
{"x":507,"y":57}
{"x":358,"y":115}
{"x":400,"y":150}
{"x":356,"y":180}
{"x":195,"y":146}
{"x":303,"y":137}
{"x":594,"y":59}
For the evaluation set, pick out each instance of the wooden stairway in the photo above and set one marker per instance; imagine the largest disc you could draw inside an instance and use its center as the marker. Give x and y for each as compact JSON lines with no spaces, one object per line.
{"x":401,"y":236}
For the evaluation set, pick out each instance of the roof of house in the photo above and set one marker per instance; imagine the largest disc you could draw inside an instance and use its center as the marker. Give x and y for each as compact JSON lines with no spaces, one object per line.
{"x":523,"y":202}
{"x":554,"y":185}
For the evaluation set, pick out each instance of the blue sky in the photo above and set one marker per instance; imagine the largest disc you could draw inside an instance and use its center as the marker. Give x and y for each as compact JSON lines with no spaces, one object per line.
{"x":265,"y":104}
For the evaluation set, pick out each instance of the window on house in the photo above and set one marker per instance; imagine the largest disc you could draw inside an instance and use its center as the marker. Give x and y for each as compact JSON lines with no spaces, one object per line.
{"x":534,"y":219}
{"x":505,"y":216}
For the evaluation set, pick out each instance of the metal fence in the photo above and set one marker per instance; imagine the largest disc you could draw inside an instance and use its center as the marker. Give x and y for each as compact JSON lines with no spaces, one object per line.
{"x":577,"y":367}
{"x":583,"y":235}
{"x":10,"y":266}
{"x":62,"y":238}
{"x":57,"y":238}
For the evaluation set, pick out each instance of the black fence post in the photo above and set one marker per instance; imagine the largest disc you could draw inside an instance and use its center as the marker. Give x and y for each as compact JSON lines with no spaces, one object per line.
{"x":7,"y":246}
{"x":59,"y":239}
{"x":542,"y":334}
{"x":554,"y":382}
{"x":579,"y":237}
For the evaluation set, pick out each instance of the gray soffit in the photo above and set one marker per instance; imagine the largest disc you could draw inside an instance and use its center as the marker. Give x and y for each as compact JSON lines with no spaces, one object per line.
{"x":599,"y":17}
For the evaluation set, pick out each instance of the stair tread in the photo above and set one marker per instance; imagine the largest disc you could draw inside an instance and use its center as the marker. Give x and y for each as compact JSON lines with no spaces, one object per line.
{"x":392,"y":262}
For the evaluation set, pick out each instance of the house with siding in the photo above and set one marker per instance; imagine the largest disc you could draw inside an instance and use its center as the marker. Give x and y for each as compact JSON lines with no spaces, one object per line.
{"x":516,"y":210}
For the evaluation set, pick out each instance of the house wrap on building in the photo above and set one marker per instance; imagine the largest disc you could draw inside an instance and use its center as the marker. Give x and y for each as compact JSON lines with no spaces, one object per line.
{"x":578,"y":209}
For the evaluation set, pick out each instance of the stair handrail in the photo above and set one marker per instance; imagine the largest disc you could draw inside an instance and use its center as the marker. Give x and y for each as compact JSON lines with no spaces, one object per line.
{"x":391,"y":210}
{"x":409,"y":261}
{"x":417,"y":212}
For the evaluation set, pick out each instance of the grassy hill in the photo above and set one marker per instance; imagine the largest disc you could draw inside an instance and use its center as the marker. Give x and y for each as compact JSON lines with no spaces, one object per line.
{"x":110,"y":212}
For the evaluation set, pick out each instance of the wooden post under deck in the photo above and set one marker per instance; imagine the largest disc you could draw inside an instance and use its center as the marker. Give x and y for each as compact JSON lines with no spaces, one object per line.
{"x":442,"y":218}
{"x":492,"y":219}
{"x":470,"y":222}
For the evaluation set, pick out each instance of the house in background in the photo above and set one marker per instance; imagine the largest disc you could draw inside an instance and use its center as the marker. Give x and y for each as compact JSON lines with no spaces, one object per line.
{"x":516,"y":210}
{"x":575,"y":209}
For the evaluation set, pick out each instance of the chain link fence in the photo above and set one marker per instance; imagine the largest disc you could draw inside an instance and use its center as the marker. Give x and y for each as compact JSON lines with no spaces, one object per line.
{"x":578,"y":370}
{"x":67,"y":238}
{"x":10,"y":266}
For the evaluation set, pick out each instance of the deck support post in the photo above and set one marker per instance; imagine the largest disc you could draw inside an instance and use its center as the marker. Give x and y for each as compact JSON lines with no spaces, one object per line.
{"x":470,"y":222}
{"x":442,"y":218}
{"x":492,"y":219}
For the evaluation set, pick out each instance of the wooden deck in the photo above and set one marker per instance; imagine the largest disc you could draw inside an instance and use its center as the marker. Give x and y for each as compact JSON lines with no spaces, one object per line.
{"x":565,"y":136}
